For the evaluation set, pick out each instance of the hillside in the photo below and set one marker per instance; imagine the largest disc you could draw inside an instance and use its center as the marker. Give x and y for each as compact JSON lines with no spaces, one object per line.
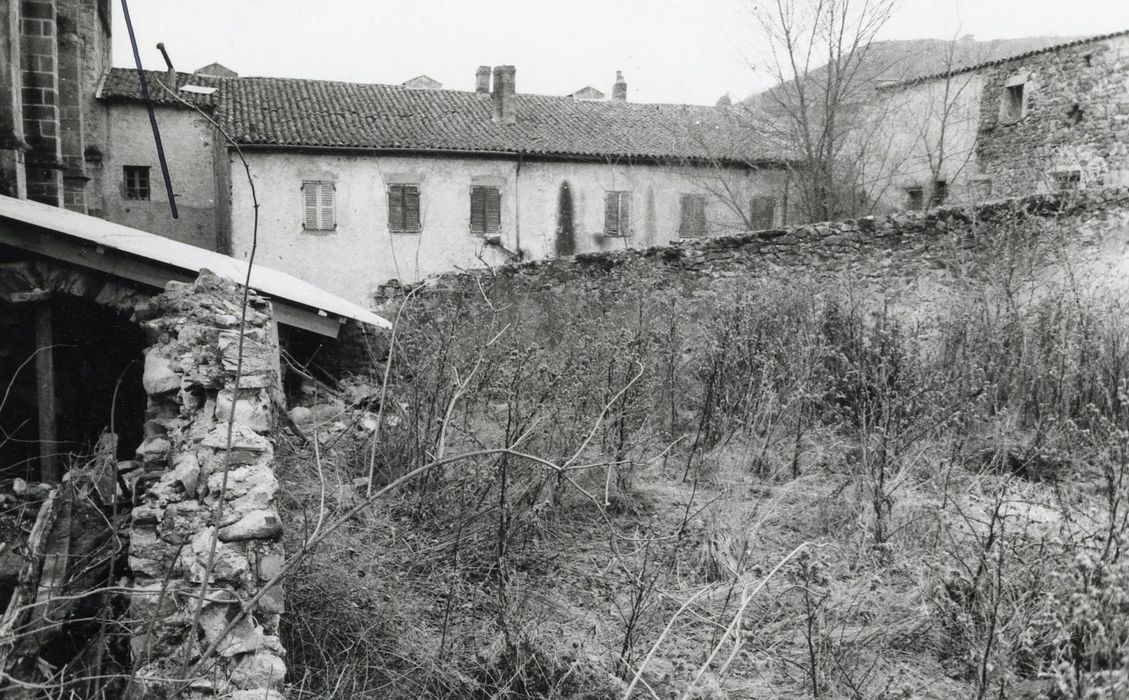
{"x":904,"y":59}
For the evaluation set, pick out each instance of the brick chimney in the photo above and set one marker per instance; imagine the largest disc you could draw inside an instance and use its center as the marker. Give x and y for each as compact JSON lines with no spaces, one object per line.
{"x":503,"y":95}
{"x":482,"y":80}
{"x":619,"y":89}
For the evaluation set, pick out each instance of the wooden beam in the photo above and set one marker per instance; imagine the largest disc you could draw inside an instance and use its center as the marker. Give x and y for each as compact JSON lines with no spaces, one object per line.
{"x":45,"y":383}
{"x":35,"y":295}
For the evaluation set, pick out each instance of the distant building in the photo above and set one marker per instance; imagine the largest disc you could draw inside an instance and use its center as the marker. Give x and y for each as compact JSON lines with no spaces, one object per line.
{"x":1051,"y":118}
{"x":360,"y":184}
{"x":52,"y":55}
{"x":588,"y":93}
{"x":423,"y":82}
{"x":217,"y":70}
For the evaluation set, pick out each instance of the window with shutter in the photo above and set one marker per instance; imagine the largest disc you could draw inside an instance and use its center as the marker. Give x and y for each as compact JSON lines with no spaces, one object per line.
{"x":318,"y":205}
{"x":617,"y":214}
{"x":693,"y":222}
{"x":403,"y":208}
{"x":485,"y":209}
{"x":762,"y":213}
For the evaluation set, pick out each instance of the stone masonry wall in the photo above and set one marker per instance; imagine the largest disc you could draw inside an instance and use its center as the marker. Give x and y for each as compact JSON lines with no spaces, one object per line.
{"x":909,"y":261}
{"x":1075,"y":116}
{"x":190,"y":368}
{"x":39,"y":60}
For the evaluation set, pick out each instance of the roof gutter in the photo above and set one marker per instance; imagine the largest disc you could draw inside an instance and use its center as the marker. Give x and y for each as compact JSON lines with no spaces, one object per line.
{"x":667,"y":161}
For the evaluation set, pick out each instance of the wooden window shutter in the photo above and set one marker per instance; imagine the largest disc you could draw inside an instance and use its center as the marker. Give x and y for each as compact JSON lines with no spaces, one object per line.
{"x":611,"y":214}
{"x":624,"y":213}
{"x":693,"y":221}
{"x":762,"y":213}
{"x":310,"y":201}
{"x":318,"y":205}
{"x":411,"y":208}
{"x":396,"y":208}
{"x":328,"y":219}
{"x":478,"y":210}
{"x":493,"y":201}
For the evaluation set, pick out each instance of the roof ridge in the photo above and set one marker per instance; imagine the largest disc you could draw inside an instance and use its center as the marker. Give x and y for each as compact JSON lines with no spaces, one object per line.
{"x":313,"y":113}
{"x":1002,"y":59}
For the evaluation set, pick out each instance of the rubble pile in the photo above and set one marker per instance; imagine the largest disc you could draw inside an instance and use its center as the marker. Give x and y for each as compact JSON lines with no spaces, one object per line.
{"x":192,"y":523}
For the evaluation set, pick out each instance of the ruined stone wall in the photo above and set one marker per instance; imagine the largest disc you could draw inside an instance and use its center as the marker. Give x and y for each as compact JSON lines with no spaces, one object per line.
{"x":910,"y":261}
{"x":1074,"y":116}
{"x":189,"y":507}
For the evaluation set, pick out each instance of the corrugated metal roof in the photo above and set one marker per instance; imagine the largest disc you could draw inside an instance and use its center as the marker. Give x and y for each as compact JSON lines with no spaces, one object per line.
{"x":190,"y":259}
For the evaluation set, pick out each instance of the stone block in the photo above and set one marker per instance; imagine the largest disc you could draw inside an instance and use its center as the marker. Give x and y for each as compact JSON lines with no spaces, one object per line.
{"x":259,"y":670}
{"x":255,"y":525}
{"x":243,"y":438}
{"x":228,"y":563}
{"x":253,"y":412}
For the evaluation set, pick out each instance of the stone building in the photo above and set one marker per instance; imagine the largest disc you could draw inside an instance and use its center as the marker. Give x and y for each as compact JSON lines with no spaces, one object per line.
{"x":52,"y":55}
{"x":1044,"y":120}
{"x":362,"y":184}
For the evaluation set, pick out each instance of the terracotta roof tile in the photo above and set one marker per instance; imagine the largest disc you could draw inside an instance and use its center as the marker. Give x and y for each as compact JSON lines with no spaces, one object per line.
{"x":325,"y":114}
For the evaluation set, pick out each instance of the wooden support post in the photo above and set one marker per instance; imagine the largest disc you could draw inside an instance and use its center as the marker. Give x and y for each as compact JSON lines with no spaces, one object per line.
{"x":45,"y":383}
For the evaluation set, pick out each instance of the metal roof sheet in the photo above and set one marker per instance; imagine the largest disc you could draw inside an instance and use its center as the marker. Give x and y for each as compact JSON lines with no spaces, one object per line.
{"x":187,"y":258}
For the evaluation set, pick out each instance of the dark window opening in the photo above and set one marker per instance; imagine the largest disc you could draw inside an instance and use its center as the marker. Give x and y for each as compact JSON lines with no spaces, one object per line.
{"x":403,"y":208}
{"x":915,"y":199}
{"x":485,"y":210}
{"x":617,"y":214}
{"x":940,"y":193}
{"x":136,"y":178}
{"x":1067,"y":180}
{"x":1075,"y":114}
{"x":318,"y":205}
{"x":1013,"y":103}
{"x":693,"y":221}
{"x":762,"y":213}
{"x":1089,"y":59}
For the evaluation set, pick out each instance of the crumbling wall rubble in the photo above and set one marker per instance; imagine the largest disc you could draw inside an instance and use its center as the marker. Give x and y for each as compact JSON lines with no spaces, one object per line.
{"x":189,"y":515}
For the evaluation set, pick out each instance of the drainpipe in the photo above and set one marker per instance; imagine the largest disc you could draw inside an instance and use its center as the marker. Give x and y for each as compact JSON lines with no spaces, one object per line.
{"x":517,"y":210}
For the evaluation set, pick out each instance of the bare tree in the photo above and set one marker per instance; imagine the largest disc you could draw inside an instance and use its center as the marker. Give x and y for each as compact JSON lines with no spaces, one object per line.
{"x":933,"y":129}
{"x":817,"y":54}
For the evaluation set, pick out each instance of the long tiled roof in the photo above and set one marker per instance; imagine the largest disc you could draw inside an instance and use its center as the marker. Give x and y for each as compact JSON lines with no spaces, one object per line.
{"x":999,"y":60}
{"x":326,"y":114}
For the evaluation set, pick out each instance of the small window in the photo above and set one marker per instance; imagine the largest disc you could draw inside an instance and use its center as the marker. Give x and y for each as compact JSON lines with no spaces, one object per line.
{"x":1012,"y":107}
{"x":403,"y":208}
{"x":617,"y":214}
{"x":762,"y":213}
{"x":318,"y":205}
{"x":485,"y":210}
{"x":136,"y":179}
{"x":1067,"y":180}
{"x":693,"y":222}
{"x":940,"y":193}
{"x":915,"y":199}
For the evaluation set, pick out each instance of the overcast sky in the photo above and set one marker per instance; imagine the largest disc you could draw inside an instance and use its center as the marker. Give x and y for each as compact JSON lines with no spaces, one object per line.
{"x":689,"y":51}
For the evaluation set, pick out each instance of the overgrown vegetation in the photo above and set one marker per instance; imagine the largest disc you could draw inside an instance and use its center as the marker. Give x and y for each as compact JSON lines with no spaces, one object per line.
{"x":747,"y":488}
